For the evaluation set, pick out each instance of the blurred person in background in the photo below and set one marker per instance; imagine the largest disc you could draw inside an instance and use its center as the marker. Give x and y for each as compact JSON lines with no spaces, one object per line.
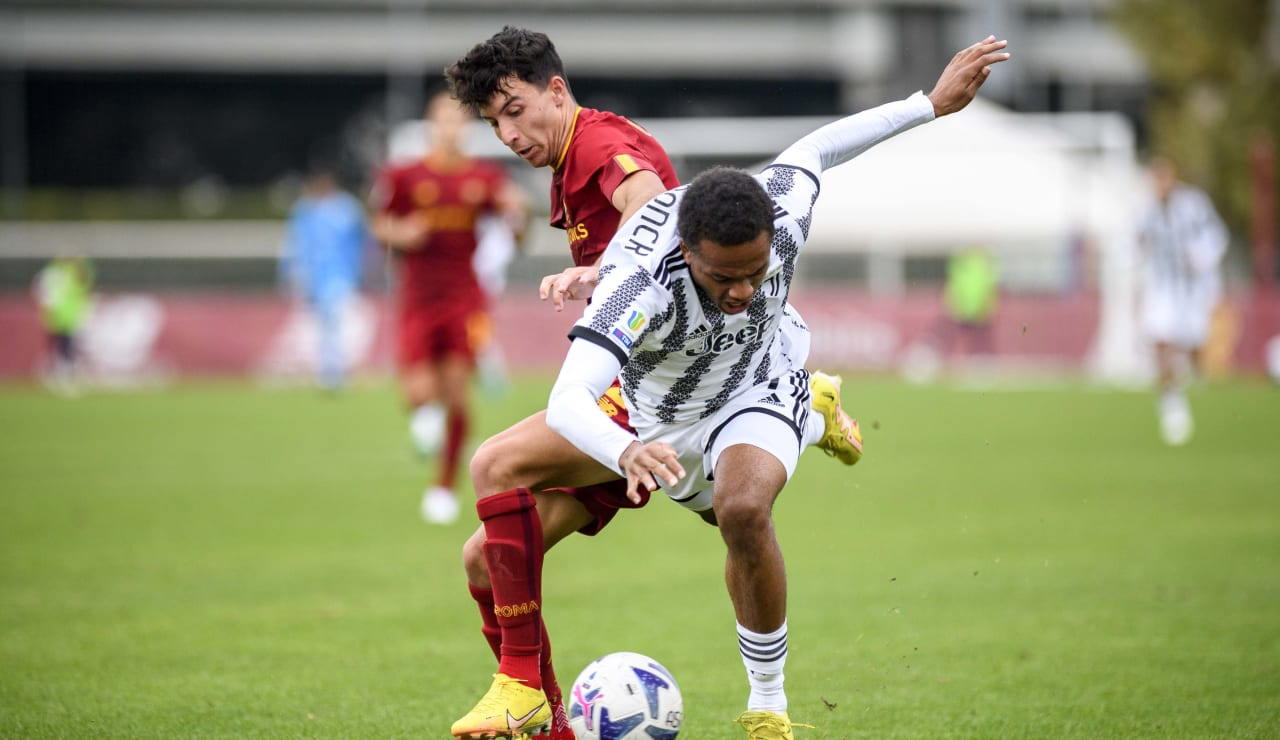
{"x":426,"y":212}
{"x":321,"y":262}
{"x":1182,"y":243}
{"x":63,"y":289}
{"x":972,"y":296}
{"x":495,"y":249}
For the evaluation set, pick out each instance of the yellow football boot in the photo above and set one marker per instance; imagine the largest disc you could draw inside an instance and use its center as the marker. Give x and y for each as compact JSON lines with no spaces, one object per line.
{"x":509,"y":710}
{"x":843,"y":438}
{"x":762,"y":725}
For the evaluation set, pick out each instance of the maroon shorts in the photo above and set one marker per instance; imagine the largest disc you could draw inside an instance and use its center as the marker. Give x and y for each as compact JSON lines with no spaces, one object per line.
{"x":432,"y":335}
{"x":604,"y":499}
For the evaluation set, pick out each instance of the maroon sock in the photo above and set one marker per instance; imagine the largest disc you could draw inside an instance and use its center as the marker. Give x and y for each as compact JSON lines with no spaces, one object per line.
{"x":513,"y":552}
{"x":492,"y":632}
{"x":549,"y":684}
{"x":455,"y":435}
{"x":493,"y":635}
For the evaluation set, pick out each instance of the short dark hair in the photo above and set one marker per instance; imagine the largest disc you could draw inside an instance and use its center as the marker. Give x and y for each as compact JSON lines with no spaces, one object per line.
{"x":725,"y":206}
{"x":529,"y":55}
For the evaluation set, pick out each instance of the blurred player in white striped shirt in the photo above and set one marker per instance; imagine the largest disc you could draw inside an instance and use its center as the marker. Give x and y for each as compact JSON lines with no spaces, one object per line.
{"x":1183,"y":242}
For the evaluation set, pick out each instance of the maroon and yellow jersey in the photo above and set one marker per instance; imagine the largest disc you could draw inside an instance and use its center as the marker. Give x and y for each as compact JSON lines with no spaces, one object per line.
{"x":449,"y":200}
{"x":602,"y":150}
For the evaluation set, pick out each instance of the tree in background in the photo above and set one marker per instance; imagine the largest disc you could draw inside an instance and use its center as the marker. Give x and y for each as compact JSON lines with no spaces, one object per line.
{"x":1215,"y":73}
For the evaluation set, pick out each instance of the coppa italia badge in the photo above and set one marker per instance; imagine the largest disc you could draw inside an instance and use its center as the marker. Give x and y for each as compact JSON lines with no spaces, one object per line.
{"x":635,"y":322}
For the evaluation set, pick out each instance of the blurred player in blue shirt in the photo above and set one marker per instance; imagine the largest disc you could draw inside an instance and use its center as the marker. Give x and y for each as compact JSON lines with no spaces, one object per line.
{"x":321,"y":261}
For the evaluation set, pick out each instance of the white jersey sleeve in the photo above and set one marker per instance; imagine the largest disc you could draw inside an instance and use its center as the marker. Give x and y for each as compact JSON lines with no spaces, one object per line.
{"x":842,"y":140}
{"x":634,"y":288}
{"x":793,"y":179}
{"x":572,"y":410}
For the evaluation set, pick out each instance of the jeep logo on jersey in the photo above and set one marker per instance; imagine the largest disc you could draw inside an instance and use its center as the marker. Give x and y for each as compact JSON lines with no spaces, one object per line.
{"x":644,"y":237}
{"x":726,"y":340}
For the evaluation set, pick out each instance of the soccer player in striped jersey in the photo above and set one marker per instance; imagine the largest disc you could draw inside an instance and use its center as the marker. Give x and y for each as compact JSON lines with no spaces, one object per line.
{"x":534,"y":487}
{"x":1183,"y":242}
{"x":689,"y":311}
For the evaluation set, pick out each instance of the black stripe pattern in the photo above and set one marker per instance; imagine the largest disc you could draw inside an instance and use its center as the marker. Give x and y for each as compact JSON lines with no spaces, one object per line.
{"x":620,"y":301}
{"x":760,"y":655}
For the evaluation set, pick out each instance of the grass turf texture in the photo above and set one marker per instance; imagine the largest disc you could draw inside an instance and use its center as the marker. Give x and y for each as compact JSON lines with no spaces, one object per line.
{"x":228,"y":561}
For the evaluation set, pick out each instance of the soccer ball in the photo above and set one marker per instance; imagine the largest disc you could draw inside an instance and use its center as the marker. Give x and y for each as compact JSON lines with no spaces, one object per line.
{"x":625,"y":696}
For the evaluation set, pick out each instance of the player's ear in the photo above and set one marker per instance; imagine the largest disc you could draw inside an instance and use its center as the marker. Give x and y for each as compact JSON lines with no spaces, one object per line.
{"x":684,"y":251}
{"x":559,"y":89}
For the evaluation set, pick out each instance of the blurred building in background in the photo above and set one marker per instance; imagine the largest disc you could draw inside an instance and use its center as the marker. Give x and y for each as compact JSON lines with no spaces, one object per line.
{"x":165,"y":138}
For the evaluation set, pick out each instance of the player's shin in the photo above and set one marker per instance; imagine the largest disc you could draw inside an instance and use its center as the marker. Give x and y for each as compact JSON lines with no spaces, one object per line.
{"x":513,"y":551}
{"x":493,"y":635}
{"x":490,"y":629}
{"x":457,"y":423}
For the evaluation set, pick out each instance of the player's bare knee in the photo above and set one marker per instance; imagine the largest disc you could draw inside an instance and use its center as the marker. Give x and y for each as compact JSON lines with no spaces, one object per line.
{"x":742,"y":517}
{"x":483,"y":463}
{"x":498,"y":465}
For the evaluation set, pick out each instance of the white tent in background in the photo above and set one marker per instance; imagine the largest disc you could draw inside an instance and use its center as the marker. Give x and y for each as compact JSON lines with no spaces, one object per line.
{"x":1016,"y":183}
{"x":984,"y":175}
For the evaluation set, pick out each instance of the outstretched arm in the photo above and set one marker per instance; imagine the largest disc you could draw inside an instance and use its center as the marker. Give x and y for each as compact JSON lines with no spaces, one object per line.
{"x":845,"y":139}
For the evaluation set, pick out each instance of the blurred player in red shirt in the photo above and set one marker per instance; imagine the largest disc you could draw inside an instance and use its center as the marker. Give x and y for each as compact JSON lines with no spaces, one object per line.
{"x":426,"y":213}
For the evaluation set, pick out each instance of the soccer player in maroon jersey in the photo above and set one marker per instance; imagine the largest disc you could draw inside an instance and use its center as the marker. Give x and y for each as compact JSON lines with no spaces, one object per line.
{"x":604,"y":168}
{"x":534,"y":488}
{"x":426,"y":212}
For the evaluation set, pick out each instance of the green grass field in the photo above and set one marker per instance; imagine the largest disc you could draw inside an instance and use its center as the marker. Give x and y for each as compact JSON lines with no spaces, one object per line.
{"x":229,"y":561}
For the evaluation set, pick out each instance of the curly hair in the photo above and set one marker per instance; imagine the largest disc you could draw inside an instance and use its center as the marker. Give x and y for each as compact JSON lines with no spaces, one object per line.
{"x":529,"y":55}
{"x":725,"y":206}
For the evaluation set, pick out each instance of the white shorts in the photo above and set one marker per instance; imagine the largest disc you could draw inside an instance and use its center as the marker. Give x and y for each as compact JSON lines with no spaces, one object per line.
{"x":771,"y":416}
{"x":795,"y":338}
{"x":1179,"y":318}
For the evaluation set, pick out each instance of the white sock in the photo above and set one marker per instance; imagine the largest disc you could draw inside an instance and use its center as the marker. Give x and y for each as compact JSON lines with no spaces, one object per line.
{"x":426,"y":428}
{"x":764,"y":656}
{"x":1176,"y":424}
{"x":814,"y":428}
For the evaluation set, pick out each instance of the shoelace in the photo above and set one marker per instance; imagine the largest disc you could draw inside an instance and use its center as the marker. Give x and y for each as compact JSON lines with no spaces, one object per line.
{"x":769,"y":722}
{"x":500,"y":698}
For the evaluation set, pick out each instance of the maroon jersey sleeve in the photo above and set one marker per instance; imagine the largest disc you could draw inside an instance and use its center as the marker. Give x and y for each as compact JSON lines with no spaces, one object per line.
{"x":604,"y":151}
{"x":619,"y":150}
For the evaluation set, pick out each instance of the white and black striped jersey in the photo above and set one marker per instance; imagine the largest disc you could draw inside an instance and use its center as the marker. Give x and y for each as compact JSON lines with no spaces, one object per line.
{"x":1183,"y":242}
{"x":682,"y":358}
